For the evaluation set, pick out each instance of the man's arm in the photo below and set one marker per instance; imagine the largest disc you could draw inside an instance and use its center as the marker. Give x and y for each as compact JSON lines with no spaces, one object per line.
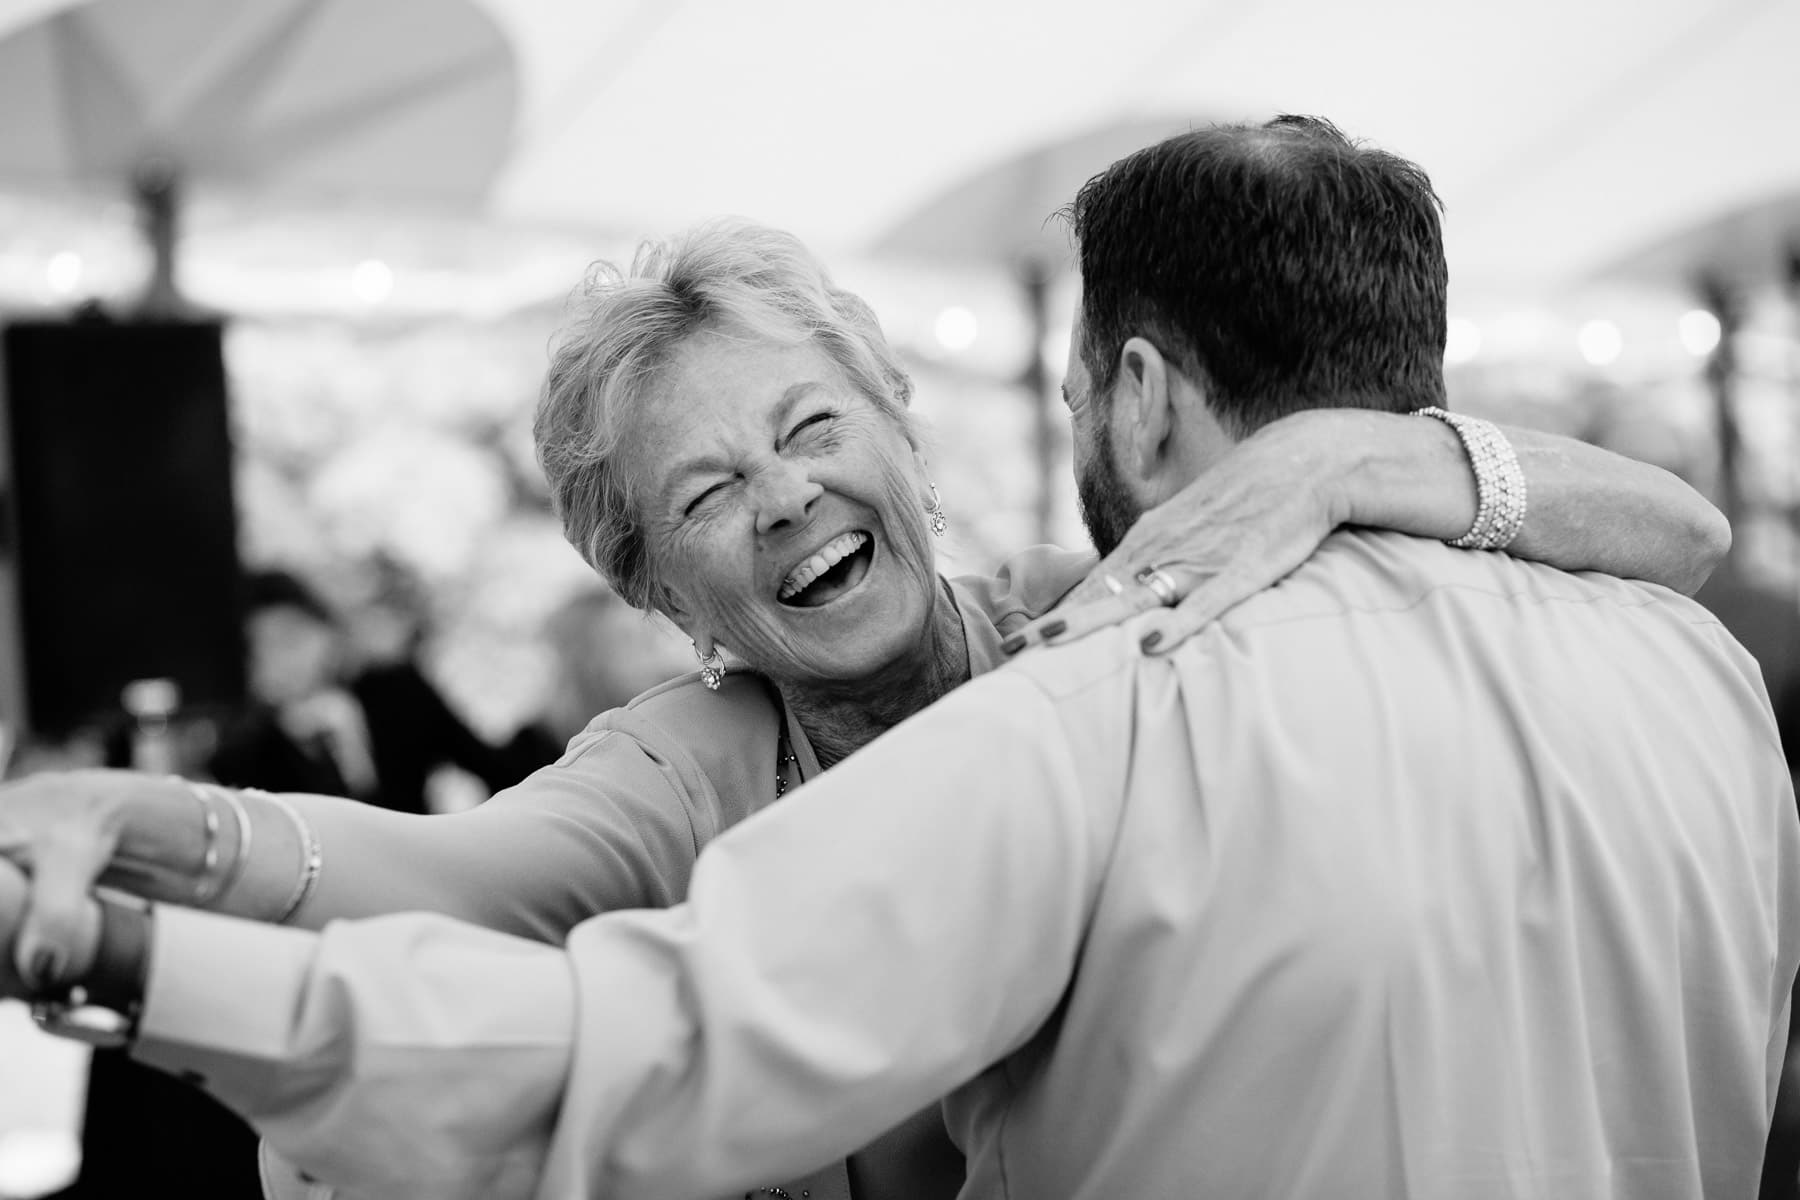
{"x":846,"y":957}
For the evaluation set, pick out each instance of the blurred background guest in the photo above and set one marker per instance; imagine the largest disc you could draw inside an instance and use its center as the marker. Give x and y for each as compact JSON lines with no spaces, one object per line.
{"x":325,"y":718}
{"x":602,"y":652}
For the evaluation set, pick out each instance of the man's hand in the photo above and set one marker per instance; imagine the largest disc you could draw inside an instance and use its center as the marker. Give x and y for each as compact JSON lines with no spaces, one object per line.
{"x":1258,"y":513}
{"x":62,"y":830}
{"x":13,"y":893}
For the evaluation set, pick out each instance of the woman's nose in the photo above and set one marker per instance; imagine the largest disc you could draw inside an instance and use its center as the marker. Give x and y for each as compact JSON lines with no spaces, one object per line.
{"x":784,"y":496}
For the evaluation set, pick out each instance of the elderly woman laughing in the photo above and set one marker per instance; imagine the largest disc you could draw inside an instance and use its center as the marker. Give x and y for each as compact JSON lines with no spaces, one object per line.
{"x":728,"y":443}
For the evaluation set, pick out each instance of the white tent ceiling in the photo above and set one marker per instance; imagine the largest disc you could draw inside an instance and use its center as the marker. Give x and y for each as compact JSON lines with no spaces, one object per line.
{"x":1563,"y":135}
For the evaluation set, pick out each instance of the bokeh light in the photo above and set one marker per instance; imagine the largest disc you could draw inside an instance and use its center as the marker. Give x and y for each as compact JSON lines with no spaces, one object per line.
{"x":63,"y":273}
{"x":1462,"y":341}
{"x":1699,"y":331}
{"x":372,"y":281}
{"x":956,"y":329}
{"x":1600,"y":342}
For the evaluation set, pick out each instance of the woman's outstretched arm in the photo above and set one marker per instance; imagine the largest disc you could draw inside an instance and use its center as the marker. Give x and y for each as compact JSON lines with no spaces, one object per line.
{"x":604,"y":830}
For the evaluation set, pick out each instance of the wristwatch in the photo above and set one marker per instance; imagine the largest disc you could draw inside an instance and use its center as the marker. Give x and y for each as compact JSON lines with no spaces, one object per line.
{"x":76,"y":1017}
{"x":102,"y":1010}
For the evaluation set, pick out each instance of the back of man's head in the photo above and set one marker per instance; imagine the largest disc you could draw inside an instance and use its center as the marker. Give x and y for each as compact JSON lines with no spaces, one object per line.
{"x":1283,"y":266}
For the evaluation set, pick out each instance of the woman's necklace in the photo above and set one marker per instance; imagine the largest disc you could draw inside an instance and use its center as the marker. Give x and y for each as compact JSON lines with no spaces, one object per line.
{"x":784,"y":754}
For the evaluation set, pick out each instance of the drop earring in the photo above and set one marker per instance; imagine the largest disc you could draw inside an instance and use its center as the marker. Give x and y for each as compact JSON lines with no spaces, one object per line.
{"x":934,"y":510}
{"x":712,"y":667}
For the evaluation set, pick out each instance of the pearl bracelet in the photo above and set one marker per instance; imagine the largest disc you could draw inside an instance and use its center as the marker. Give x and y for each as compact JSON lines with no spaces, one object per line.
{"x":1500,"y":498}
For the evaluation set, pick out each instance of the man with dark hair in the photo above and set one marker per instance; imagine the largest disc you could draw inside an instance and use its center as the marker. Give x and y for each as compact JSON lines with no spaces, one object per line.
{"x":1421,"y":874}
{"x":1281,"y":268}
{"x":1285,"y":266}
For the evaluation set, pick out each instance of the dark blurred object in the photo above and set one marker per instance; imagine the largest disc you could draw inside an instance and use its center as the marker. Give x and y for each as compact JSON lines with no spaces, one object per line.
{"x":152,"y":704}
{"x":143,"y":1132}
{"x":1726,"y":304}
{"x":1761,"y":617}
{"x":146,"y":1133}
{"x":125,"y":524}
{"x":156,"y":188}
{"x":319,"y":722}
{"x":1781,"y":1159}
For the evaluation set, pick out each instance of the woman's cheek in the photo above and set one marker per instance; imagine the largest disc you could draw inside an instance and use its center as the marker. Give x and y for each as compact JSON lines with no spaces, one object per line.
{"x":903,"y":516}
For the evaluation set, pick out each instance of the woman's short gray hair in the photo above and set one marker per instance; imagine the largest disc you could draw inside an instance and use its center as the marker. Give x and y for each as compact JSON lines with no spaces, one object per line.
{"x":623,"y":331}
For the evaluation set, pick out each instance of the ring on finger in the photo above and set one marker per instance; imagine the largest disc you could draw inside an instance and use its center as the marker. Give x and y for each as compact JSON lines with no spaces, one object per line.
{"x":1112,"y":585}
{"x":1158,"y":581}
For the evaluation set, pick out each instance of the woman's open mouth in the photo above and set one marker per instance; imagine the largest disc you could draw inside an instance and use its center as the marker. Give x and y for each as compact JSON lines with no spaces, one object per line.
{"x":833,"y":569}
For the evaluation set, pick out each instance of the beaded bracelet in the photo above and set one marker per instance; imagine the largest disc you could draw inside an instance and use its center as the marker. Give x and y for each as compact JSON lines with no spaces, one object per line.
{"x":1500,"y":498}
{"x":312,"y":858}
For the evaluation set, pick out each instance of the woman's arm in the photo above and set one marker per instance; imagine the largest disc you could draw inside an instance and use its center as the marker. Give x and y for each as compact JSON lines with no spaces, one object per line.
{"x":1588,"y":509}
{"x":605,"y":831}
{"x":1262,"y":509}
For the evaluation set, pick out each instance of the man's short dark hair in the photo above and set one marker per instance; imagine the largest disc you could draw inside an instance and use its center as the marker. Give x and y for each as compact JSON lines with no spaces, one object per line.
{"x":1283,"y":265}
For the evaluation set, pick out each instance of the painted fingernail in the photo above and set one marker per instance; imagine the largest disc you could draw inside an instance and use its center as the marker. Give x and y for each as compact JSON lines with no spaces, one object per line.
{"x":1013,"y":644}
{"x":1053,"y":629}
{"x":1151,"y":641}
{"x":46,"y":968}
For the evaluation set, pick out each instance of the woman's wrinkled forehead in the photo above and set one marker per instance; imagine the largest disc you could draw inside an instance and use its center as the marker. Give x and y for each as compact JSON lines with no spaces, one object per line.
{"x":715,"y":396}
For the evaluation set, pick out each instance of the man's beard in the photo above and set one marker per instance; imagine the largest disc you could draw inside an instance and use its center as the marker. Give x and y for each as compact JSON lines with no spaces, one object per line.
{"x":1107,"y":508}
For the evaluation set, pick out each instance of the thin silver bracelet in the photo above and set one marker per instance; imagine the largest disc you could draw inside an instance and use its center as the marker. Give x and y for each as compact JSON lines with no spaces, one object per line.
{"x":312,"y":858}
{"x":241,"y":860}
{"x":1500,"y":499}
{"x":210,"y":883}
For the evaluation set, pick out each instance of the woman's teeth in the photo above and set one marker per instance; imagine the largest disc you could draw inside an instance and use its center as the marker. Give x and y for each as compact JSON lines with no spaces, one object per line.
{"x":827,"y":557}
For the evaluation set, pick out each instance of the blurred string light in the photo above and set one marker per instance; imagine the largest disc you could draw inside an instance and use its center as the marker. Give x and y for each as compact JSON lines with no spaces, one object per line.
{"x":372,"y":281}
{"x":1600,"y":342}
{"x":956,"y":329}
{"x":1699,"y":332}
{"x":63,"y":273}
{"x":1462,"y":341}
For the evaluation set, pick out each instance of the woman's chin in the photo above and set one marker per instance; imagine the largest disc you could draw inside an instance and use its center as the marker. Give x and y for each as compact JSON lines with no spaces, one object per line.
{"x":863,"y":632}
{"x":869,"y":650}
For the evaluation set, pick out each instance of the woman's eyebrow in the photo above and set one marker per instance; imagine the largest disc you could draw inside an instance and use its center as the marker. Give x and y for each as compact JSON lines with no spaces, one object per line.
{"x":706,"y":464}
{"x":795,"y":393}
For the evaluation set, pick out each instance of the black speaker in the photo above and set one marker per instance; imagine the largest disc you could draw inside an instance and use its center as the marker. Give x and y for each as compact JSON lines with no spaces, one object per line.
{"x":123,"y":514}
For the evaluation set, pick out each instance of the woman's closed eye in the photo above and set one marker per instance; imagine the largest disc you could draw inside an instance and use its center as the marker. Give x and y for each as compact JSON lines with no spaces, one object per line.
{"x":709,"y":494}
{"x":816,"y":423}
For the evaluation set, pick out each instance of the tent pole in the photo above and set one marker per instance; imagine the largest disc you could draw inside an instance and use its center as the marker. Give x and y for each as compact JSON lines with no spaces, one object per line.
{"x":156,"y":191}
{"x":1034,"y":280}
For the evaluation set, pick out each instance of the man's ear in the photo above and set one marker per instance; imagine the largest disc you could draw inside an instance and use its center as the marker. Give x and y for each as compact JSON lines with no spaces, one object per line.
{"x":1144,"y":403}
